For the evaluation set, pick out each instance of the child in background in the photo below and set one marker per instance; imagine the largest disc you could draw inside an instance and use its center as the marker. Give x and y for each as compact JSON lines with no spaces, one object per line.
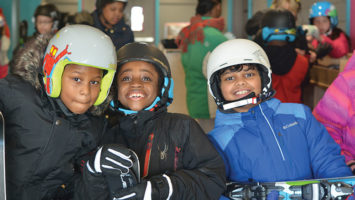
{"x":260,"y":138}
{"x":324,"y":15}
{"x":289,"y":68}
{"x":177,"y":161}
{"x":195,"y":41}
{"x":46,"y":19}
{"x":336,"y":111}
{"x":109,"y":18}
{"x":52,"y":110}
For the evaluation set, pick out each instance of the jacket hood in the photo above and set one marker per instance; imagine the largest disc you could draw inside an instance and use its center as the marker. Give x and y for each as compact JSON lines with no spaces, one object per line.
{"x":27,"y":64}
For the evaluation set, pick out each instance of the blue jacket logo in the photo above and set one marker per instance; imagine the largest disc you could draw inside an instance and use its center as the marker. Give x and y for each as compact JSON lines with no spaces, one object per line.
{"x":290,"y":125}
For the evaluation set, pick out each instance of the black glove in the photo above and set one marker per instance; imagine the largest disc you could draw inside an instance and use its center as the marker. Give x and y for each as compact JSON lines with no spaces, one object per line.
{"x":111,"y":159}
{"x":119,"y":165}
{"x":157,"y":187}
{"x":323,"y":49}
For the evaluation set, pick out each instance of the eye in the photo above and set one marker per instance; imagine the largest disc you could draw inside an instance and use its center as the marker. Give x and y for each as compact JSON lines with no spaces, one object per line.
{"x":76,"y":79}
{"x":94,"y":82}
{"x":229,"y":78}
{"x":248,"y":75}
{"x":126,"y":78}
{"x":146,"y":78}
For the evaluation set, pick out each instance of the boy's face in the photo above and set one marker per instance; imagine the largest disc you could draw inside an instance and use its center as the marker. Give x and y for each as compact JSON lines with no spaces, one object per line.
{"x":238,"y":84}
{"x":137,"y":83}
{"x":80,"y":87}
{"x":323,"y":24}
{"x":44,"y":24}
{"x":113,"y":12}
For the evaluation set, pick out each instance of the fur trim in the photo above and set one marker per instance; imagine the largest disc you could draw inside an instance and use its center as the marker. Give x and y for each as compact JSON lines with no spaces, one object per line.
{"x":28,"y":60}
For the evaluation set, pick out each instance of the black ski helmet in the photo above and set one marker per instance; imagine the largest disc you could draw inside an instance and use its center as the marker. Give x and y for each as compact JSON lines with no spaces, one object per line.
{"x":140,"y":51}
{"x":278,"y":24}
{"x":100,"y":4}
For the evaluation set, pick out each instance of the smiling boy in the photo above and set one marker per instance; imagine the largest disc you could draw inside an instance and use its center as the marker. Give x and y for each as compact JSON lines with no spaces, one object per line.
{"x":52,"y":110}
{"x":260,"y":138}
{"x":176,"y":159}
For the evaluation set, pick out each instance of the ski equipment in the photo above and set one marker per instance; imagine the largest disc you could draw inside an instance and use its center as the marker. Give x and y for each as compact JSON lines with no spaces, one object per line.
{"x":324,"y":8}
{"x":317,"y":189}
{"x":2,"y":158}
{"x":278,"y":25}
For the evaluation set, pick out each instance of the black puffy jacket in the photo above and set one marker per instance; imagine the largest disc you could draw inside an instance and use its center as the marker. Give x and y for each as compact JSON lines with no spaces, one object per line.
{"x":179,"y":148}
{"x":44,"y":141}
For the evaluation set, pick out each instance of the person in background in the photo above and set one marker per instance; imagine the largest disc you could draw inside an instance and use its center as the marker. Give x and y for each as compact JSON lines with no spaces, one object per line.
{"x":324,"y":15}
{"x":260,"y":138}
{"x":202,"y":35}
{"x":82,"y":17}
{"x":177,"y":161}
{"x":4,"y":45}
{"x":109,"y":18}
{"x":254,"y":24}
{"x":277,"y":38}
{"x":335,"y":111}
{"x":47,"y":19}
{"x":52,"y":104}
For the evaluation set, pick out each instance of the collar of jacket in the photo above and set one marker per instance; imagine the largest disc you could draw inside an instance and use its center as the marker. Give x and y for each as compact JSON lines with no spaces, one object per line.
{"x":135,"y":124}
{"x":232,"y":118}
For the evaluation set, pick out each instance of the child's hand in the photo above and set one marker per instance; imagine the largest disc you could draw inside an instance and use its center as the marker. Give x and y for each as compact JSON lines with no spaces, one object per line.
{"x":111,"y":159}
{"x":157,"y":187}
{"x":323,"y":49}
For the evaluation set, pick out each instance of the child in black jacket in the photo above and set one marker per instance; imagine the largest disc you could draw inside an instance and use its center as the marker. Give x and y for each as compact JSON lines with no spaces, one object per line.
{"x":177,"y":161}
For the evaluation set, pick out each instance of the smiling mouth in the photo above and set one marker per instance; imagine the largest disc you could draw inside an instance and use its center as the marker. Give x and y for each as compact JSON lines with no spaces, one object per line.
{"x":136,"y":96}
{"x":241,"y":93}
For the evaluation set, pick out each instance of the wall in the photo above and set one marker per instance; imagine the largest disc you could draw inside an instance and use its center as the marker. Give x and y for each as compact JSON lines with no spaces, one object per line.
{"x":26,"y":9}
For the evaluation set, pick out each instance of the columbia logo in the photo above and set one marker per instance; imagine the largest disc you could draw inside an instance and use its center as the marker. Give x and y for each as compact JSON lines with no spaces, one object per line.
{"x":290,"y":125}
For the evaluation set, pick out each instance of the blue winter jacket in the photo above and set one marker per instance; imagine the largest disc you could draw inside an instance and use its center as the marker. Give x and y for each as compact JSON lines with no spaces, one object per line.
{"x":276,"y":141}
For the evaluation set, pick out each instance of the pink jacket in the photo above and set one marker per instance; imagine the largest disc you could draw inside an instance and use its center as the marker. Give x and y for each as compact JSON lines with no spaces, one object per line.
{"x":336,"y":110}
{"x":340,"y":45}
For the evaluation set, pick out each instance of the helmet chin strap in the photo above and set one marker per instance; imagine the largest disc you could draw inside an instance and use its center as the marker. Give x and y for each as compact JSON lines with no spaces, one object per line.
{"x":249,"y":99}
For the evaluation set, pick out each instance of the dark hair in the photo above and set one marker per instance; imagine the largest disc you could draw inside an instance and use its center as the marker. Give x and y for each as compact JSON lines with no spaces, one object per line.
{"x":49,"y":10}
{"x":336,"y":33}
{"x":237,"y":68}
{"x":205,"y":6}
{"x":100,"y":4}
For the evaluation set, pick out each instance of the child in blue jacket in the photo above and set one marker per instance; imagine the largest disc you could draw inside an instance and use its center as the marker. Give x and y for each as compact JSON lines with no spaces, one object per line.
{"x":260,"y":138}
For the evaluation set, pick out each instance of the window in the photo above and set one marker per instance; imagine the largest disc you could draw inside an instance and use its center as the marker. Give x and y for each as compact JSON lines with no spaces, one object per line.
{"x":137,"y":18}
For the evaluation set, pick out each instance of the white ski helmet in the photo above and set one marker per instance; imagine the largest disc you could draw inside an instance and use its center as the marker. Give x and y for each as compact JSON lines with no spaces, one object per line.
{"x":237,"y":52}
{"x":81,"y":45}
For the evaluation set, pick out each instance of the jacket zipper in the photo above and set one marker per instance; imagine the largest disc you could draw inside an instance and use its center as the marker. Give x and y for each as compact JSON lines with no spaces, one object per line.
{"x":273,"y":132}
{"x":147,"y":154}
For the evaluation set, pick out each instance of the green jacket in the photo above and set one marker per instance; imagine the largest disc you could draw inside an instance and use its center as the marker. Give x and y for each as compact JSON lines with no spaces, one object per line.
{"x":195,"y":81}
